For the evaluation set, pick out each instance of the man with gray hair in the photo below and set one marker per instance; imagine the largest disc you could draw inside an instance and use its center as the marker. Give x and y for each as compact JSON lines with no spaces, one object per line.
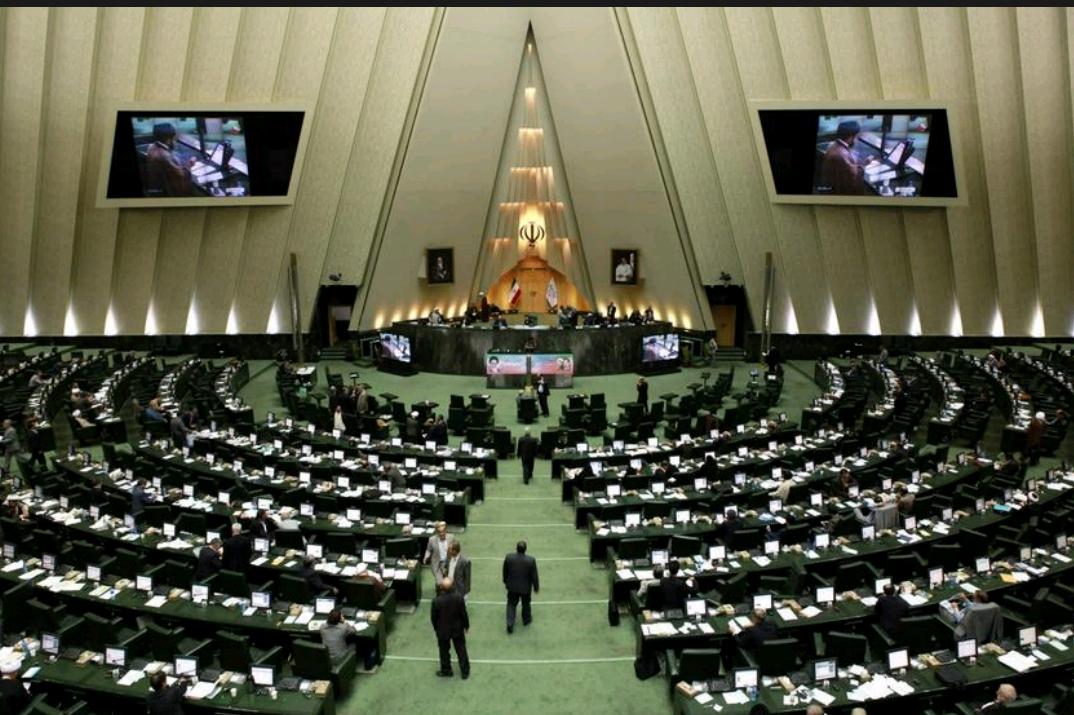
{"x":1005,"y":695}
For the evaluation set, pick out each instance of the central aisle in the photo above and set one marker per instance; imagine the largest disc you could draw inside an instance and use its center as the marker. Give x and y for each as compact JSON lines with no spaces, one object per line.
{"x":569,"y":660}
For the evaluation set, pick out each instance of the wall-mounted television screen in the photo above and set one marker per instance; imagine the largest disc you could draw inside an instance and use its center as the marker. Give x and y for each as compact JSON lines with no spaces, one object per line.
{"x":394,"y":347}
{"x":194,"y":156}
{"x":660,"y":348}
{"x":842,"y":154}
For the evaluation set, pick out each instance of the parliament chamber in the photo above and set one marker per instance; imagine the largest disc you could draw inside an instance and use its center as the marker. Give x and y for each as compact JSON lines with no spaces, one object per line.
{"x":734,"y":344}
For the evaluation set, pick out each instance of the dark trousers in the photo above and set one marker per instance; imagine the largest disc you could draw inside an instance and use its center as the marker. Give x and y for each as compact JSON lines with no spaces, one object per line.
{"x":543,"y":399}
{"x":512,"y":605}
{"x":527,"y":470}
{"x":460,"y":651}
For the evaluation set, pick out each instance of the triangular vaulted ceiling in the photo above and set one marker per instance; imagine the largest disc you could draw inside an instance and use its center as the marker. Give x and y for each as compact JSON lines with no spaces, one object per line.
{"x":452,"y":155}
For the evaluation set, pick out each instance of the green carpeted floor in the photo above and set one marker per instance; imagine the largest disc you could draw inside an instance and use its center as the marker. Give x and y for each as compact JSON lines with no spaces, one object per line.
{"x":569,"y":660}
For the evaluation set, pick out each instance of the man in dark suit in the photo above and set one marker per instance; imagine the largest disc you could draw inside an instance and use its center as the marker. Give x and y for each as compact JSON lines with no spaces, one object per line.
{"x":139,"y":497}
{"x":13,"y":697}
{"x":527,"y":452}
{"x":674,"y":590}
{"x":451,"y":624}
{"x":313,"y":579}
{"x":730,"y":525}
{"x":262,"y":527}
{"x":520,"y":579}
{"x":208,"y":560}
{"x":1005,"y":694}
{"x":643,"y":392}
{"x":890,"y":610}
{"x":543,"y":390}
{"x":162,"y":699}
{"x":759,"y":630}
{"x":458,"y":569}
{"x":237,"y":550}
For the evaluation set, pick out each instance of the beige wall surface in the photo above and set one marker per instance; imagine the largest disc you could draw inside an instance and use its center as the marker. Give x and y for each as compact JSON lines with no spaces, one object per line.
{"x":652,"y":111}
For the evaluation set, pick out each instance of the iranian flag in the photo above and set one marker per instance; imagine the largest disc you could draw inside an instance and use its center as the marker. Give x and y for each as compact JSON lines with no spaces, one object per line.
{"x":515,"y":293}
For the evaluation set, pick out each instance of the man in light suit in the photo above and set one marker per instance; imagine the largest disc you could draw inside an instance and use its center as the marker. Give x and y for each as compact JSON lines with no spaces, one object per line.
{"x":436,"y":553}
{"x":458,"y":569}
{"x":527,"y":453}
{"x":520,"y":579}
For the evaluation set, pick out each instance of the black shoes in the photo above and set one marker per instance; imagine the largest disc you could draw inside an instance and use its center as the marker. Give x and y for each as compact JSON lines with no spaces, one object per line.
{"x":446,"y":674}
{"x":466,"y":675}
{"x":510,"y":629}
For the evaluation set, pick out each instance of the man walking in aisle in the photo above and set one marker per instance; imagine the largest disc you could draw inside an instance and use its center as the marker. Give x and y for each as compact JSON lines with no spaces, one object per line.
{"x":451,"y":624}
{"x":527,"y":452}
{"x":520,"y":580}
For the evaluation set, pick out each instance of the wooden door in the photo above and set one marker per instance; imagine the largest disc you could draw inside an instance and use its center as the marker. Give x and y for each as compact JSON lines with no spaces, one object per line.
{"x":723,"y":317}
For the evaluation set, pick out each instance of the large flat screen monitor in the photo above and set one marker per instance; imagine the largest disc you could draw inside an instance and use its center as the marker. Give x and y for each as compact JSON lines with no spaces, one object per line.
{"x":197,"y":155}
{"x":394,"y":347}
{"x":660,"y":348}
{"x":838,"y":153}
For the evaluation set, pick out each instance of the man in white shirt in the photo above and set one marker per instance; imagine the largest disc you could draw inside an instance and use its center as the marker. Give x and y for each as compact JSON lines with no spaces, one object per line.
{"x":624,"y":272}
{"x":436,"y":553}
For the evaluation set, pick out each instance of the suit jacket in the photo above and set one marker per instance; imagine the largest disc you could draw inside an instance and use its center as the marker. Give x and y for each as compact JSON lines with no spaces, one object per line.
{"x":448,"y":615}
{"x":166,"y":701}
{"x":13,"y":697}
{"x":462,"y":574}
{"x":841,"y":171}
{"x":432,"y":551}
{"x":890,"y":610}
{"x":543,"y":389}
{"x":313,"y":579}
{"x":520,"y":574}
{"x":139,"y":500}
{"x":674,"y":592}
{"x":527,"y":448}
{"x":208,"y":563}
{"x":261,"y":529}
{"x":237,"y":552}
{"x":751,"y":638}
{"x":983,"y":621}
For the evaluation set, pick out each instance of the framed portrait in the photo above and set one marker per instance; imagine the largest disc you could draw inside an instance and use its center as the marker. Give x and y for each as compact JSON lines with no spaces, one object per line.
{"x":440,"y":265}
{"x":625,"y":266}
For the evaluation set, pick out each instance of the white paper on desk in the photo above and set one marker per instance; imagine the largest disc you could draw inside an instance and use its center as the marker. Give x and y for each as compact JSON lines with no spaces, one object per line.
{"x":810,"y":611}
{"x":786,"y":614}
{"x":1058,"y":645}
{"x":848,"y":550}
{"x":602,"y":531}
{"x":1017,"y":662}
{"x":735,"y":697}
{"x":643,"y":574}
{"x":969,"y":587}
{"x":130,"y":678}
{"x":762,"y":561}
{"x":13,"y":566}
{"x":901,"y":687}
{"x":201,"y":690}
{"x":706,"y":629}
{"x":811,"y":554}
{"x":360,"y":626}
{"x":304,"y":618}
{"x":624,"y":573}
{"x":31,"y":574}
{"x":289,"y":620}
{"x":869,"y":601}
{"x":703,"y":698}
{"x":156,"y":602}
{"x":822,"y":697}
{"x":1061,"y":557}
{"x":259,"y":560}
{"x":743,"y":621}
{"x":913,"y":599}
{"x":249,"y":611}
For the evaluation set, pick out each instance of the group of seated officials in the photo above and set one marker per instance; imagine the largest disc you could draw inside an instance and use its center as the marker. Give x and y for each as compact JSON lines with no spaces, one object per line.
{"x":567,"y":316}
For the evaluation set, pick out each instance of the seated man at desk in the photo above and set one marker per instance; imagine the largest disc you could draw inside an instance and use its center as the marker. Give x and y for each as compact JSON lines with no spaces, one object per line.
{"x":166,"y":174}
{"x":1005,"y":694}
{"x":753,"y":636}
{"x":649,"y":583}
{"x":674,"y":589}
{"x":335,"y":633}
{"x":978,"y":618}
{"x":313,"y":579}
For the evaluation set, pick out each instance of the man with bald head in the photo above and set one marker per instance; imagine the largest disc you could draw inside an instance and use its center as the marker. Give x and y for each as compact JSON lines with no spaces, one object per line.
{"x":1005,"y":695}
{"x":814,"y":709}
{"x":451,"y":624}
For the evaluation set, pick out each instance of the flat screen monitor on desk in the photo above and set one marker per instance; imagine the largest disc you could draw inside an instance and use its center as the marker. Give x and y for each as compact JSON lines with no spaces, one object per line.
{"x":660,"y":556}
{"x":324,"y":606}
{"x":264,"y":676}
{"x":967,"y":648}
{"x":825,"y":594}
{"x":696,"y":608}
{"x":898,"y":659}
{"x":1027,"y":637}
{"x":261,"y":599}
{"x":824,"y":670}
{"x":762,"y":601}
{"x":50,"y":643}
{"x":185,"y":665}
{"x":115,"y":656}
{"x":745,"y":678}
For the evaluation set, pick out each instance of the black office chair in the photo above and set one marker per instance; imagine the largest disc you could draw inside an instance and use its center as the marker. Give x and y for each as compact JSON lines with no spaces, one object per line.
{"x":922,"y":634}
{"x":235,"y":653}
{"x":191,"y":524}
{"x":233,"y":583}
{"x":734,"y":589}
{"x":401,"y":548}
{"x":693,"y":665}
{"x":902,"y":567}
{"x":294,"y":589}
{"x":685,"y":546}
{"x":848,"y":648}
{"x":632,"y":549}
{"x":339,"y":542}
{"x":774,"y":657}
{"x":289,"y":539}
{"x":311,"y":660}
{"x":947,"y":556}
{"x":854,"y":575}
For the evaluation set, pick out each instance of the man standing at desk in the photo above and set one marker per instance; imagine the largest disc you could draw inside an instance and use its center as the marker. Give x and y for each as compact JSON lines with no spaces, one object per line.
{"x":520,"y":579}
{"x":543,"y":389}
{"x":840,"y":172}
{"x":527,"y":452}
